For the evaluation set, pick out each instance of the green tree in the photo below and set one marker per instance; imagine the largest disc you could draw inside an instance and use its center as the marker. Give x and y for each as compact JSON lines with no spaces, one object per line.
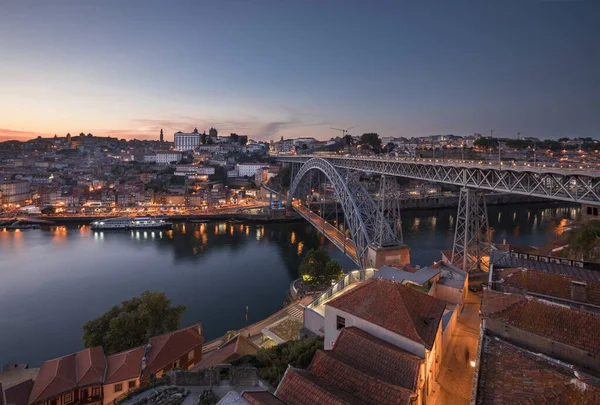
{"x":584,"y":242}
{"x":317,"y":269}
{"x":333,"y":271}
{"x":348,"y":139}
{"x":134,"y":321}
{"x":372,"y":139}
{"x":48,"y":210}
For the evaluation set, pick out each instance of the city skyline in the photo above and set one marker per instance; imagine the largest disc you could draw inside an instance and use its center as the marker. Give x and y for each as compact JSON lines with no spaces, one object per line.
{"x":270,"y":69}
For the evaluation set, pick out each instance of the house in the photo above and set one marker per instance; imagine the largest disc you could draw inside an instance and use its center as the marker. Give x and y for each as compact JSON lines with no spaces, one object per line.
{"x":73,"y":379}
{"x":123,"y":371}
{"x":360,"y":369}
{"x":250,"y":398}
{"x":17,"y":394}
{"x":227,"y":352}
{"x":179,"y":349}
{"x":394,"y":313}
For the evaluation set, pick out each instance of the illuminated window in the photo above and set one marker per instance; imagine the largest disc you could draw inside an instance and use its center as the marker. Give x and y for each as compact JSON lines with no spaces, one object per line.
{"x":96,"y":391}
{"x":131,"y":384}
{"x":68,"y":398}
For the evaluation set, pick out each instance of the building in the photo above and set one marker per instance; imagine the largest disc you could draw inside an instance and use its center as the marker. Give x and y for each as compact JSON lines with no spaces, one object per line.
{"x":16,"y":394}
{"x":249,"y":169}
{"x":166,"y":157}
{"x":73,"y":379}
{"x":123,"y":372}
{"x":250,"y":398}
{"x":360,"y":369}
{"x":236,"y":347}
{"x":178,"y":349}
{"x":15,"y":192}
{"x":187,"y":141}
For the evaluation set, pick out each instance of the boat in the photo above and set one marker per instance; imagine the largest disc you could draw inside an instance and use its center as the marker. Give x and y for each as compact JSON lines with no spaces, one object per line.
{"x":21,"y":225}
{"x":198,"y":221}
{"x":234,"y":221}
{"x":121,"y":223}
{"x":149,"y":223}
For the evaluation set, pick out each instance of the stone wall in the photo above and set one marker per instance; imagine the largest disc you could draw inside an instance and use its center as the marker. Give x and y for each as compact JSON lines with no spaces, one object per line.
{"x":247,"y":376}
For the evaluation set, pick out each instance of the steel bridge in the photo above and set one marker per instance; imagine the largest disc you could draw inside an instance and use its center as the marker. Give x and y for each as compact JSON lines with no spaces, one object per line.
{"x":366,"y":218}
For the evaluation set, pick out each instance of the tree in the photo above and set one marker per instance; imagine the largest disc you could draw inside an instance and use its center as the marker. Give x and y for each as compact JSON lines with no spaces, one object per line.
{"x":584,"y":242}
{"x":372,"y":139}
{"x":130,"y":324}
{"x":48,"y":210}
{"x":318,"y":269}
{"x":348,"y":139}
{"x":390,"y":147}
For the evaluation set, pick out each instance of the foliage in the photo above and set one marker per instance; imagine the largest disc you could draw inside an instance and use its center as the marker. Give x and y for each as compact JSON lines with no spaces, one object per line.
{"x":272,"y":363}
{"x":207,"y":398}
{"x":134,"y":321}
{"x":372,"y":139}
{"x":584,"y":242}
{"x":348,"y":139}
{"x":48,"y":210}
{"x":317,"y":269}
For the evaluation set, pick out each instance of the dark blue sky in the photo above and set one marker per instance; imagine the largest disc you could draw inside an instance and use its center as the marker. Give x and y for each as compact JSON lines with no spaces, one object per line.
{"x":296,"y":68}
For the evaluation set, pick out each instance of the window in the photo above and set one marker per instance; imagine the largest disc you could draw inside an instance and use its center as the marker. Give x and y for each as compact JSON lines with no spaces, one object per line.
{"x":589,"y":210}
{"x":191,"y":356}
{"x":96,"y":391}
{"x":131,"y":384}
{"x":341,"y":322}
{"x":119,"y":387}
{"x":176,"y":364}
{"x":595,"y":211}
{"x":68,"y":398}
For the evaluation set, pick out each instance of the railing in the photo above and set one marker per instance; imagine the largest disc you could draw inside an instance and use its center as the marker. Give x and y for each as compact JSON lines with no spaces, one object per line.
{"x":352,"y":277}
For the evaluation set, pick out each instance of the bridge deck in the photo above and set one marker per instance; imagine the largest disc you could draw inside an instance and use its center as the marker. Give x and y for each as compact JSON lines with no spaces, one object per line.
{"x":332,"y":233}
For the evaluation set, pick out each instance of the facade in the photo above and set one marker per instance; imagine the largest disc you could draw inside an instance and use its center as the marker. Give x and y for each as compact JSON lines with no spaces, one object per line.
{"x":249,"y":169}
{"x":164,"y":158}
{"x":15,"y":192}
{"x":187,"y":141}
{"x":122,"y":373}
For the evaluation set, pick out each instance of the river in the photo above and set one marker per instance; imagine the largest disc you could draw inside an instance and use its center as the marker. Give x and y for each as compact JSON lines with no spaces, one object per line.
{"x":55,"y":279}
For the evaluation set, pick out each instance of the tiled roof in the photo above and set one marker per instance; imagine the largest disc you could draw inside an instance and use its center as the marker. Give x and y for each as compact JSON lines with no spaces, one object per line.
{"x":298,"y":387}
{"x":55,"y":377}
{"x":551,"y":284}
{"x":395,"y":307}
{"x":17,"y":394}
{"x":261,"y":398}
{"x":509,"y":375}
{"x":331,"y":369}
{"x":169,"y":347}
{"x":378,"y":358}
{"x":91,"y":365}
{"x":124,"y":365}
{"x":504,"y":260}
{"x":553,"y":321}
{"x":231,"y":350}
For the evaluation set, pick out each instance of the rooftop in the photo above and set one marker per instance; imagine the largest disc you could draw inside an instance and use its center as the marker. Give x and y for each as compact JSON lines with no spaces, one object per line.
{"x":17,"y":394}
{"x":395,"y":307}
{"x":504,"y":260}
{"x":511,"y":375}
{"x":230,"y":350}
{"x":124,"y":365}
{"x":412,"y":274}
{"x":173,"y":345}
{"x":544,"y":318}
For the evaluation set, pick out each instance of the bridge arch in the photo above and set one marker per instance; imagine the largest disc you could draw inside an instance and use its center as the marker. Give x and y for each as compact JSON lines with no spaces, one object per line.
{"x":361,"y":214}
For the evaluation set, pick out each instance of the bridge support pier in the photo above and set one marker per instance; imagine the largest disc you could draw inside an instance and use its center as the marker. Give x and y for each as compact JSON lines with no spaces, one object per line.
{"x":471,"y":249}
{"x":377,"y":256}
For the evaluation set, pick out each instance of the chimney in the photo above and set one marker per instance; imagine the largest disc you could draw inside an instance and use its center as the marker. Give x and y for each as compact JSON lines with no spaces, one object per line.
{"x":578,"y":291}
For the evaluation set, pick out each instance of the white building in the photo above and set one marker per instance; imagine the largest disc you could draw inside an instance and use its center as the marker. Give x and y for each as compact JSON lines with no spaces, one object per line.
{"x":166,"y":157}
{"x":186,"y":141}
{"x":249,"y":169}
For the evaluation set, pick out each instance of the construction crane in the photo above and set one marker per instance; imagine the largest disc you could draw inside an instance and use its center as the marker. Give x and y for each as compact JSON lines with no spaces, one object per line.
{"x":344,"y":131}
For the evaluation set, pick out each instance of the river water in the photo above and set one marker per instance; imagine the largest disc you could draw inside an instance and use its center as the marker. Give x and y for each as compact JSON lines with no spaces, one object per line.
{"x":55,"y":279}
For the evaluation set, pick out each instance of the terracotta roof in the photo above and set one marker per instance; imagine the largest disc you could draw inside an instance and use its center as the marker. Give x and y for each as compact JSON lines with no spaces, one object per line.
{"x":124,"y":365}
{"x":298,"y":387}
{"x":553,"y":321}
{"x":169,"y":347}
{"x":378,"y":358}
{"x":17,"y":394}
{"x":55,"y":377}
{"x":541,"y":282}
{"x":261,"y":398}
{"x":509,"y":375}
{"x":233,"y":349}
{"x":91,"y":365}
{"x":395,"y":307}
{"x":332,"y":369}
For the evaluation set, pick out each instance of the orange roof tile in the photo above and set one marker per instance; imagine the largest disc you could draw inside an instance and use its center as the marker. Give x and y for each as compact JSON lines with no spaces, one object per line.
{"x":233,"y":349}
{"x":91,"y":365}
{"x":124,"y":365}
{"x":378,"y":358}
{"x":298,"y":387}
{"x":169,"y":347}
{"x":509,"y":375}
{"x":17,"y":394}
{"x":261,"y":398}
{"x":55,"y":377}
{"x":395,"y":307}
{"x":553,"y":321}
{"x":331,"y":369}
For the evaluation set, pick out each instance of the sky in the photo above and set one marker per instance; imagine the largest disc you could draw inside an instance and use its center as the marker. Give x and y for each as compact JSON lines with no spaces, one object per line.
{"x":273,"y":68}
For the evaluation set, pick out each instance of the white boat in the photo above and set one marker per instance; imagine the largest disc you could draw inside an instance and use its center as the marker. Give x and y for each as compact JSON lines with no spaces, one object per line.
{"x":130,"y":223}
{"x":149,"y":222}
{"x":112,"y":223}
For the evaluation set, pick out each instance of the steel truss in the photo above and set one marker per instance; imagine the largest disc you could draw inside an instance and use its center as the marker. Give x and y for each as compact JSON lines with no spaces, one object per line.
{"x":471,"y":249}
{"x":570,"y":185}
{"x":362,"y":215}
